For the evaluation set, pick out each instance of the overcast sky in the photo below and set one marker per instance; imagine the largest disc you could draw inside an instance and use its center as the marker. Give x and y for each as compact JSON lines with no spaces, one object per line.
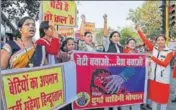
{"x":117,"y":12}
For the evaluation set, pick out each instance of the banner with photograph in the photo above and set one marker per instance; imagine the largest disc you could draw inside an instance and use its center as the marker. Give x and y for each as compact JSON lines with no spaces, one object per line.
{"x":107,"y":80}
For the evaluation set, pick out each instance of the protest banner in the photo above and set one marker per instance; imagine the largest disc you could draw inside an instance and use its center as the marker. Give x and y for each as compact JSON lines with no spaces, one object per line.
{"x":66,"y":31}
{"x":63,"y":13}
{"x":41,"y":88}
{"x":109,"y":80}
{"x":90,"y":27}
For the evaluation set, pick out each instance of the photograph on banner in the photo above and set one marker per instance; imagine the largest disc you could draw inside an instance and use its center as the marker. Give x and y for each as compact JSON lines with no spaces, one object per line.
{"x":66,"y":31}
{"x":41,"y":89}
{"x":109,"y":80}
{"x":63,"y":13}
{"x":90,"y":27}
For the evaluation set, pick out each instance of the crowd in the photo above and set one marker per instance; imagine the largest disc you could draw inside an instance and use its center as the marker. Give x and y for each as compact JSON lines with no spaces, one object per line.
{"x":52,"y":48}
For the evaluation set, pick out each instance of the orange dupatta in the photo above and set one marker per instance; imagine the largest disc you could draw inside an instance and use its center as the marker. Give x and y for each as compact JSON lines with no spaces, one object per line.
{"x":21,"y":58}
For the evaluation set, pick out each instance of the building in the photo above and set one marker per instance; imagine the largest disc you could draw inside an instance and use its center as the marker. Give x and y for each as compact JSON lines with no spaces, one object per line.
{"x":6,"y":27}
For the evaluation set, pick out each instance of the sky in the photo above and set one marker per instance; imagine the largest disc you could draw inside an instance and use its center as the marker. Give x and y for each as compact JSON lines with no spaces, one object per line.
{"x":117,"y":12}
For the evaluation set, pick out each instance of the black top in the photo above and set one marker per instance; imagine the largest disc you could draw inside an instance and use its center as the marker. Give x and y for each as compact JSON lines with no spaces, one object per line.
{"x":112,"y":48}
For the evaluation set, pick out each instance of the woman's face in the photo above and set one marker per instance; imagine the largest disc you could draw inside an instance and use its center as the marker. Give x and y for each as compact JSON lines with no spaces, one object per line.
{"x":88,"y":39}
{"x":70,"y":45}
{"x":131,"y":44}
{"x":28,"y":28}
{"x":160,"y":41}
{"x":101,"y":81}
{"x":49,"y":32}
{"x":115,"y":38}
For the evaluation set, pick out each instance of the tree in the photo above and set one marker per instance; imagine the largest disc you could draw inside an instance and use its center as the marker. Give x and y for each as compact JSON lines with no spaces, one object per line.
{"x":134,"y":15}
{"x":127,"y":32}
{"x":99,"y":36}
{"x":147,"y":17}
{"x":15,"y":9}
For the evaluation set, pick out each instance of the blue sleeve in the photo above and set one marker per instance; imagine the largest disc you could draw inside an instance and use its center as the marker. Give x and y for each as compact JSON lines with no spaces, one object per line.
{"x":127,"y":73}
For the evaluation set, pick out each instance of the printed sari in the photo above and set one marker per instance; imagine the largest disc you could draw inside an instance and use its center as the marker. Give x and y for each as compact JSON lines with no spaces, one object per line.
{"x":22,"y":58}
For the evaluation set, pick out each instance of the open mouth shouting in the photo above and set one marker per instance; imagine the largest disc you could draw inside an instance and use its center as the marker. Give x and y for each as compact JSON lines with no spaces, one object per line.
{"x":32,"y":31}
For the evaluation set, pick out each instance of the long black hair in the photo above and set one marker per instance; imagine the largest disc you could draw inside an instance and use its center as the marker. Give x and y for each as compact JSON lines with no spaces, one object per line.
{"x":20,"y":24}
{"x":43,"y":26}
{"x":64,"y":43}
{"x":161,"y":35}
{"x":87,"y":32}
{"x":113,"y":34}
{"x":129,"y":39}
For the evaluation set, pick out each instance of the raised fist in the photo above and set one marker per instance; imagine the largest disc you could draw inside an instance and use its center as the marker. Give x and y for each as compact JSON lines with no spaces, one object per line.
{"x":83,"y":17}
{"x":105,"y":16}
{"x":137,"y":28}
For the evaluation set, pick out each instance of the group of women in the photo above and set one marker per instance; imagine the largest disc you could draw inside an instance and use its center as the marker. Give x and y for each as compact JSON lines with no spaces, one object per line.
{"x":24,"y":52}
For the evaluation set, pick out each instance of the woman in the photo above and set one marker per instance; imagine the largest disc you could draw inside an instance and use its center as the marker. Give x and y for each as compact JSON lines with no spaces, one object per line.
{"x":112,"y":45}
{"x":160,"y":74}
{"x":49,"y":39}
{"x":67,"y":48}
{"x":23,"y":52}
{"x":166,"y":62}
{"x":131,"y":46}
{"x":87,"y":44}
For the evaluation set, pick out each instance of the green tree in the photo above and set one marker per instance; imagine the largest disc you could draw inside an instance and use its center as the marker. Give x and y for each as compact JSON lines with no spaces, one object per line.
{"x":147,"y":17}
{"x":99,"y":36}
{"x":15,"y":9}
{"x":128,"y":32}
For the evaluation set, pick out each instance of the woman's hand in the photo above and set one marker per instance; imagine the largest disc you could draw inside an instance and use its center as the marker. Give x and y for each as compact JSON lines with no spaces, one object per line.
{"x":105,"y":17}
{"x":137,"y":28}
{"x":83,"y":18}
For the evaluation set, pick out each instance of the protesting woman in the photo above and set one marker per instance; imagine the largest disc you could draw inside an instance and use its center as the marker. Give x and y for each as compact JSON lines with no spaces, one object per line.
{"x":23,"y":52}
{"x":67,"y":49}
{"x":160,"y":73}
{"x":112,"y":45}
{"x":87,"y":44}
{"x":49,"y":39}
